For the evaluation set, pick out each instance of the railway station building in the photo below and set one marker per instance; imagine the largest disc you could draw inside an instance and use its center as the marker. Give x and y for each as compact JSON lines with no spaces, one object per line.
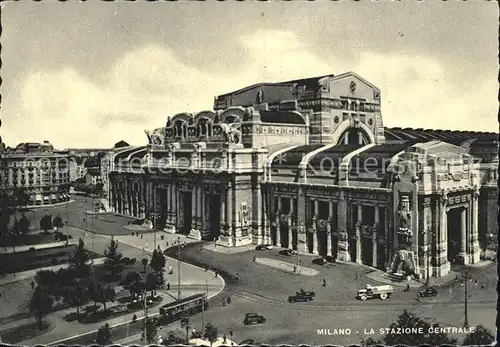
{"x":308,"y":164}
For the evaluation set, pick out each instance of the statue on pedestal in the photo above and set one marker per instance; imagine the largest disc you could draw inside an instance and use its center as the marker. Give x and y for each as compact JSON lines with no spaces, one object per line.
{"x":404,"y":262}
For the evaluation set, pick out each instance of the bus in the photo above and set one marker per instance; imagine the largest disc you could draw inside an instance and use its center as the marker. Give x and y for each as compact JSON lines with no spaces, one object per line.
{"x":183,"y":308}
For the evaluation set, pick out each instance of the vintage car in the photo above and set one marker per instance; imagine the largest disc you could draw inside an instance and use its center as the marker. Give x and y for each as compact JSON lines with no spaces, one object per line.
{"x":264,"y":247}
{"x":305,"y":293}
{"x":302,"y":297}
{"x":369,"y":292}
{"x":319,"y":261}
{"x":287,"y":252}
{"x":427,"y":292}
{"x":253,"y":318}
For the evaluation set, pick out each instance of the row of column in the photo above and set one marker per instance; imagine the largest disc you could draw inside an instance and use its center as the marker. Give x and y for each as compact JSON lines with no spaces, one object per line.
{"x":314,"y":239}
{"x":132,"y":202}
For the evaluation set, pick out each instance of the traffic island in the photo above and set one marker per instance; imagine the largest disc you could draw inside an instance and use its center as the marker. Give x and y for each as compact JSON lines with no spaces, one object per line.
{"x":287,"y":267}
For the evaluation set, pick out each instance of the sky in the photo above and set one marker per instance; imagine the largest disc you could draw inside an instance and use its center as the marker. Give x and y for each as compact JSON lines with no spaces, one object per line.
{"x":90,"y":74}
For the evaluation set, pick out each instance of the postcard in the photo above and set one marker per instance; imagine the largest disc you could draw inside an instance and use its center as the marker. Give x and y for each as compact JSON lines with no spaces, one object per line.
{"x":249,"y":173}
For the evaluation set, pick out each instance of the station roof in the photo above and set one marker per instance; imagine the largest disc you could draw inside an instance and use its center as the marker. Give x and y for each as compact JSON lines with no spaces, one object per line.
{"x":292,"y":158}
{"x":331,"y":158}
{"x":281,"y":117}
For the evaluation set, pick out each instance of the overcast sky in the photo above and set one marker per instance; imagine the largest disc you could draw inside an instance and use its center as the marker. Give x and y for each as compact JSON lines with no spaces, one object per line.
{"x":90,"y":74}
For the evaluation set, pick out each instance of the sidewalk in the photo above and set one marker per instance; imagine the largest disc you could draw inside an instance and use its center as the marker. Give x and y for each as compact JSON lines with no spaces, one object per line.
{"x":288,"y":267}
{"x":383,"y":277}
{"x":228,"y":250}
{"x":19,"y":276}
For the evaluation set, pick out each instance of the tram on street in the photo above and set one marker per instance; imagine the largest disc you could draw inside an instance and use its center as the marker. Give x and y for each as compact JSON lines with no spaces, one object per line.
{"x":183,"y":308}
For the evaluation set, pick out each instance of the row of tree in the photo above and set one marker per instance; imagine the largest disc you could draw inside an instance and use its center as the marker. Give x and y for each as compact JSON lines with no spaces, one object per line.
{"x":75,"y":285}
{"x":480,"y":336}
{"x":47,"y":223}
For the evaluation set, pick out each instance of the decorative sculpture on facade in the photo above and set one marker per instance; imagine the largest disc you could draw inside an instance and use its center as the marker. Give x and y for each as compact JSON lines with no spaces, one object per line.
{"x":404,"y":262}
{"x":231,"y":133}
{"x":156,"y":136}
{"x":260,"y":96}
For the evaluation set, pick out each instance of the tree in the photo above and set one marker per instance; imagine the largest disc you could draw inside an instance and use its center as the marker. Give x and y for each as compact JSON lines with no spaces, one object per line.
{"x":151,"y":283}
{"x":151,"y":330}
{"x":480,"y":337}
{"x":113,"y":261}
{"x":47,"y":280}
{"x":158,"y":261}
{"x":410,"y":320}
{"x":104,"y":335}
{"x":21,"y":196}
{"x":40,"y":304}
{"x":57,"y":222}
{"x":15,"y":230}
{"x":24,"y":225}
{"x":76,"y":295}
{"x":133,"y":283}
{"x":46,"y":223}
{"x":211,"y":333}
{"x":144,"y":262}
{"x":79,"y":260}
{"x":101,"y":293}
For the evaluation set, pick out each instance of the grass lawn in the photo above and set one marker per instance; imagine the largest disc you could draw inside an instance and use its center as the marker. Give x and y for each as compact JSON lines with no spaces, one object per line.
{"x":26,"y":331}
{"x":22,"y":261}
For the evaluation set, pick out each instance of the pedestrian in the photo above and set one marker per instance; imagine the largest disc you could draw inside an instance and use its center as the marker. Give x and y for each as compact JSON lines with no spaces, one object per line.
{"x":356,"y":275}
{"x":134,"y":318}
{"x":223,"y":301}
{"x":417,"y":298}
{"x":228,"y":299}
{"x":216,"y":273}
{"x":224,"y":338}
{"x":168,"y":286}
{"x":141,"y":236}
{"x":167,"y":243}
{"x":324,"y":282}
{"x":32,"y":285}
{"x":237,"y":277}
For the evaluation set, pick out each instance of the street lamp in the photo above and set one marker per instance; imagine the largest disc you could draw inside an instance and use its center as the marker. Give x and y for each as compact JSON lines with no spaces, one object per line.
{"x":428,"y":254}
{"x":464,"y":279}
{"x":179,"y":268}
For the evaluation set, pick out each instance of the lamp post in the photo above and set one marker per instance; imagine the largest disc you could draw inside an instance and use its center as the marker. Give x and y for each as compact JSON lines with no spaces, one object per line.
{"x":428,"y":254}
{"x":179,"y":268}
{"x":464,"y":279}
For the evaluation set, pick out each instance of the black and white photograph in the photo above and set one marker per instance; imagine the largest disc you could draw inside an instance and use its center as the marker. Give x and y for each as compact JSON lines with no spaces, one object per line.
{"x":233,"y":173}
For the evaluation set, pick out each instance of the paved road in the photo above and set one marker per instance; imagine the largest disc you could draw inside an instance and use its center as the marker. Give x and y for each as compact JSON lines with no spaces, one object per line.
{"x":264,"y":290}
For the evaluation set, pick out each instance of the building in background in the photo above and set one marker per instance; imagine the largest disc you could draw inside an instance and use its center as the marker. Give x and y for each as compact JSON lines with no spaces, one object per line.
{"x":41,"y":170}
{"x":308,"y":164}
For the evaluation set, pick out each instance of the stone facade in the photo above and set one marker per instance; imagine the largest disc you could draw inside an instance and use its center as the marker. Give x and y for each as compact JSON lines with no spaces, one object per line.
{"x":308,"y":165}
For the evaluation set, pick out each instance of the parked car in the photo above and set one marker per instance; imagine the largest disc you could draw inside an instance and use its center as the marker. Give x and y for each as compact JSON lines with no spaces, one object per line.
{"x":300,"y":298}
{"x":319,"y":261}
{"x":428,"y":292}
{"x":264,"y":247}
{"x":253,"y":318}
{"x":306,"y":293}
{"x":287,"y":252}
{"x":330,"y":259}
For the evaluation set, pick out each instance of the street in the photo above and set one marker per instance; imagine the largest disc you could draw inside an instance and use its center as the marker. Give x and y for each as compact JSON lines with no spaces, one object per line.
{"x":264,"y":290}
